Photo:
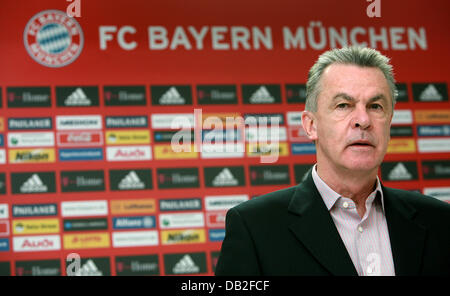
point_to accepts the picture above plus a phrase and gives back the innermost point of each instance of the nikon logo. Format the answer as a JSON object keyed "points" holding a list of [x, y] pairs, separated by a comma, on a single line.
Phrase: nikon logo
{"points": [[183, 236], [27, 155]]}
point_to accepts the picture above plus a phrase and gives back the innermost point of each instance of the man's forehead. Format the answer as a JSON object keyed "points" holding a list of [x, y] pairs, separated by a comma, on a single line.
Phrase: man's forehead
{"points": [[347, 97], [347, 76], [336, 70]]}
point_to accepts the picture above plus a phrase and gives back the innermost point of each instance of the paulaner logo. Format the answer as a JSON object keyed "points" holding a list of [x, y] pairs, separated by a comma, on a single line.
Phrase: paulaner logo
{"points": [[53, 39]]}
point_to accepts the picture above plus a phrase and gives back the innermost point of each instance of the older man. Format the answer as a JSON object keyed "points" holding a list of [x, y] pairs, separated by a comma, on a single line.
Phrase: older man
{"points": [[341, 220]]}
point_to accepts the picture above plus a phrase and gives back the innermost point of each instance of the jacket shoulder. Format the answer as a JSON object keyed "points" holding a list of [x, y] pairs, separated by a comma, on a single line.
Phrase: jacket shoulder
{"points": [[268, 202], [420, 202]]}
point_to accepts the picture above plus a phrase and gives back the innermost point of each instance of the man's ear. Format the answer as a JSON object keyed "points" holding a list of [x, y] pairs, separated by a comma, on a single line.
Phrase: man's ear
{"points": [[309, 125]]}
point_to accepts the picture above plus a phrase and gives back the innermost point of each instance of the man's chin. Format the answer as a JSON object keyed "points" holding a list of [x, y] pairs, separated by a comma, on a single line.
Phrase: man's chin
{"points": [[361, 166]]}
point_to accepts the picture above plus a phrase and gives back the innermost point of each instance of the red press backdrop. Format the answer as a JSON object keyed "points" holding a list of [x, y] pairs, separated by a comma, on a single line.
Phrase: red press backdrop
{"points": [[86, 103]]}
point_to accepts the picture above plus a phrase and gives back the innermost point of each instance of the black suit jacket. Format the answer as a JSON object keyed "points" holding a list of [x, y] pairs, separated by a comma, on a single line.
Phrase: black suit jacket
{"points": [[290, 232]]}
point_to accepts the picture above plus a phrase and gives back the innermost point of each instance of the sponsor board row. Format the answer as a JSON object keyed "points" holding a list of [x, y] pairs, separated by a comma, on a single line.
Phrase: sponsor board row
{"points": [[158, 121], [167, 178], [213, 219], [77, 138], [211, 151], [261, 135], [140, 179], [117, 239], [149, 264], [147, 206], [144, 152], [143, 206], [142, 137], [197, 119], [169, 95], [403, 170]]}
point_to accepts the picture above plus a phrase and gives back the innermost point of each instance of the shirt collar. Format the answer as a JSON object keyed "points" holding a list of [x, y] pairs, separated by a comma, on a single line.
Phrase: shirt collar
{"points": [[330, 197]]}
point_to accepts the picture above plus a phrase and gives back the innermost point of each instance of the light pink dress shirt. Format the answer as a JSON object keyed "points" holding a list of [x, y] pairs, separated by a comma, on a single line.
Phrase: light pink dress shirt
{"points": [[366, 239]]}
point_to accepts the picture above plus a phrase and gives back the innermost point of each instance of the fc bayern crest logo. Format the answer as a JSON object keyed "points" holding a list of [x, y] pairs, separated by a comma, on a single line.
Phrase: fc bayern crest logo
{"points": [[53, 39]]}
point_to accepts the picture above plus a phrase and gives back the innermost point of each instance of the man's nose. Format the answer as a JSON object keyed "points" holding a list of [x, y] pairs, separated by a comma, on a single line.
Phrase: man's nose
{"points": [[361, 118]]}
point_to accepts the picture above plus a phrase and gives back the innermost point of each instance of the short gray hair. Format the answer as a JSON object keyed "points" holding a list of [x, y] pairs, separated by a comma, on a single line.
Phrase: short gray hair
{"points": [[360, 56]]}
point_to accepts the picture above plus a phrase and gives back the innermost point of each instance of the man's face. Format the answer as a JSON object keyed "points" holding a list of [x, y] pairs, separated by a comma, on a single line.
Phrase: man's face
{"points": [[352, 124]]}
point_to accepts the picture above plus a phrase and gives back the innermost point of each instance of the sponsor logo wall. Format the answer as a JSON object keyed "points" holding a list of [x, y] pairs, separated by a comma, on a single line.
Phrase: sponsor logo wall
{"points": [[87, 161]]}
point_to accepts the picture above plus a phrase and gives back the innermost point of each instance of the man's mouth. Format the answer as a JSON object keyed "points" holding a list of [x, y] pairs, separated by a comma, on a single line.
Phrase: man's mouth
{"points": [[361, 143]]}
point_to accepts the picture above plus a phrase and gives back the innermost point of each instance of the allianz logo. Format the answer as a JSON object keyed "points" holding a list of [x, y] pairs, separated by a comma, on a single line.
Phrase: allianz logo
{"points": [[134, 222]]}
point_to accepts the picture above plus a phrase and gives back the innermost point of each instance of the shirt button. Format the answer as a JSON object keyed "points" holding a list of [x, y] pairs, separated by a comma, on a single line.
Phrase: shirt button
{"points": [[345, 204], [360, 229]]}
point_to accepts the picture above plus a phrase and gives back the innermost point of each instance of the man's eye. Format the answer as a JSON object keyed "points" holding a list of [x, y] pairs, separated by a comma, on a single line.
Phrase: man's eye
{"points": [[342, 106], [376, 107]]}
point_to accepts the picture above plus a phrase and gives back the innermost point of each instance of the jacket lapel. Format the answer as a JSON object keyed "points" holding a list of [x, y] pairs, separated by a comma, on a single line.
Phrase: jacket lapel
{"points": [[407, 237], [313, 226]]}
